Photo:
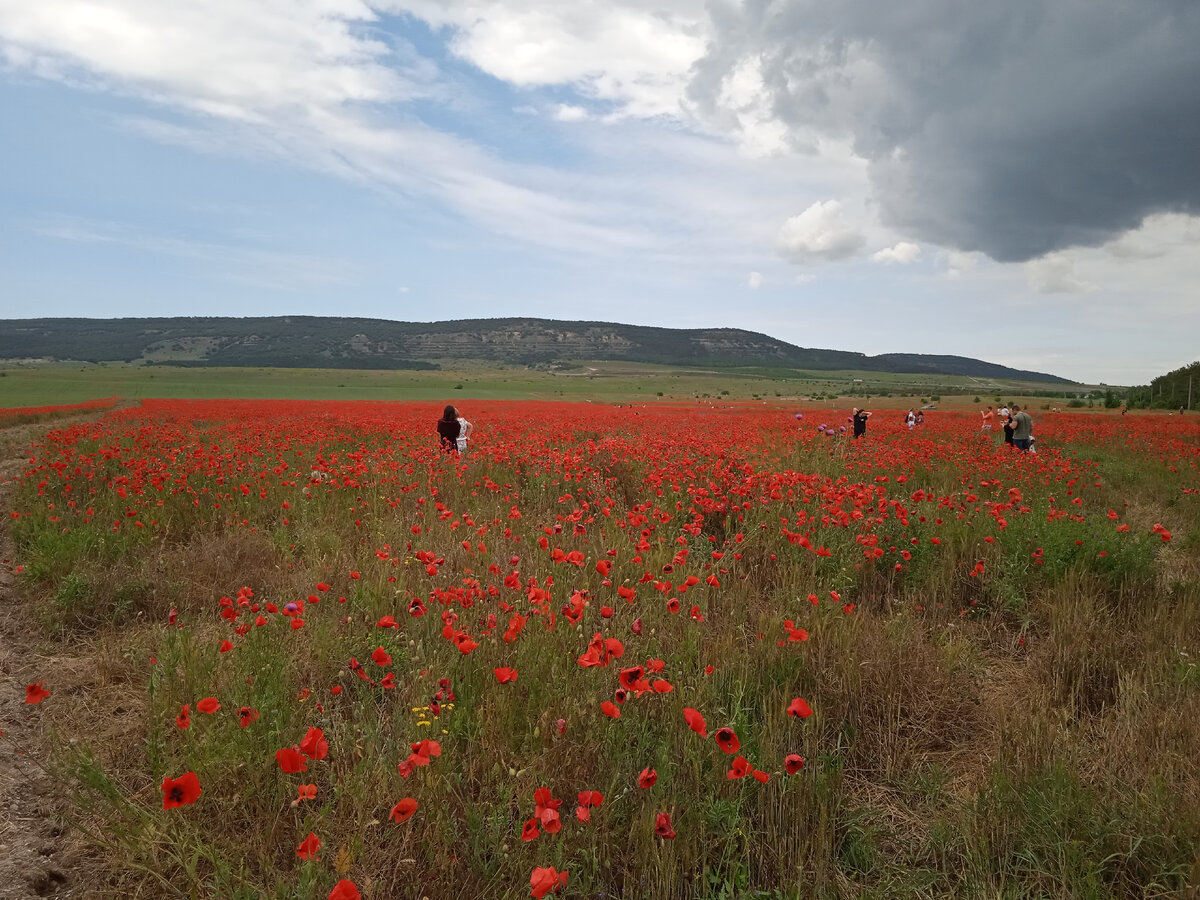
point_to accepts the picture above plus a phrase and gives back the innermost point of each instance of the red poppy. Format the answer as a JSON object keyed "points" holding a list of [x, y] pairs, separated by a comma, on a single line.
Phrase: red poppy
{"points": [[647, 777], [422, 751], [529, 831], [793, 763], [799, 708], [345, 890], [403, 810], [225, 647], [307, 792], [546, 810], [662, 827], [504, 674], [314, 745], [381, 657], [610, 709], [590, 798], [761, 777], [543, 881], [695, 721], [208, 705], [741, 768], [290, 760], [633, 679], [181, 791], [309, 847], [727, 740], [184, 719], [246, 715]]}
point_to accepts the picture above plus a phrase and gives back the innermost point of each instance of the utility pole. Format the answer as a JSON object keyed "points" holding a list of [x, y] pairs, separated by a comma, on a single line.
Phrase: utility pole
{"points": [[1189, 391]]}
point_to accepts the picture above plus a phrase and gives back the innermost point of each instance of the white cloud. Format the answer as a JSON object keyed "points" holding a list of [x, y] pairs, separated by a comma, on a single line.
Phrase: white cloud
{"points": [[564, 112], [632, 54], [903, 253], [1054, 273], [755, 281], [819, 233]]}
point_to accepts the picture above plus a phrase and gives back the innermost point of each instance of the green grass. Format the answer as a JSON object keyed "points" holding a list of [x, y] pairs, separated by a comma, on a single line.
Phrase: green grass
{"points": [[604, 381]]}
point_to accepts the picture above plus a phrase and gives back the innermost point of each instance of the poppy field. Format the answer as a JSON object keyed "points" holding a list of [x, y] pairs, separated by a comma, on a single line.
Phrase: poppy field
{"points": [[662, 652]]}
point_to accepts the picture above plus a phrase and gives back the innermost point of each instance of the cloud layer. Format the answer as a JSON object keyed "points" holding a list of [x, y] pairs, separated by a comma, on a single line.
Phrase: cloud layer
{"points": [[1014, 129]]}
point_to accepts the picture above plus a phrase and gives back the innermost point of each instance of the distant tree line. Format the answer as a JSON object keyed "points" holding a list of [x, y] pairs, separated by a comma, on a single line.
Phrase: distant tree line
{"points": [[1180, 388]]}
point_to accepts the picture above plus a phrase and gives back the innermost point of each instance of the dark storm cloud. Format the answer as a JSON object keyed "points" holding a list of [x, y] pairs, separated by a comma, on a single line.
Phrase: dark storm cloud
{"points": [[1014, 127]]}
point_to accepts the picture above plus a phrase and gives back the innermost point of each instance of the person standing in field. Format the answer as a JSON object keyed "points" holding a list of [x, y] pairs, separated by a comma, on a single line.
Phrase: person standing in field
{"points": [[465, 429], [920, 417], [860, 422], [1006, 419], [449, 429], [1022, 428], [911, 419], [988, 415]]}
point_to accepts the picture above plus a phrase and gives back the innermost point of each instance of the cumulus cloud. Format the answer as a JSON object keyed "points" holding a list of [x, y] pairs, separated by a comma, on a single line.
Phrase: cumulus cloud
{"points": [[1013, 129], [634, 55], [902, 254], [564, 112], [820, 233], [755, 281], [1054, 273]]}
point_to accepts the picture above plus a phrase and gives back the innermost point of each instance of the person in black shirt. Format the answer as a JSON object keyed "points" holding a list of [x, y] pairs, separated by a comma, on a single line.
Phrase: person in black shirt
{"points": [[860, 422]]}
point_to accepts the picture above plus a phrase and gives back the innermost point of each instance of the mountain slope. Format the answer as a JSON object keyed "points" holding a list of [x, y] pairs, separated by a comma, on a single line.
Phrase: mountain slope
{"points": [[308, 341]]}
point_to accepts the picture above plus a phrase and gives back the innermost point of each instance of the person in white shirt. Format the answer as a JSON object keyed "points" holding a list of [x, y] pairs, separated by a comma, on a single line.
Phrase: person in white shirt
{"points": [[464, 431]]}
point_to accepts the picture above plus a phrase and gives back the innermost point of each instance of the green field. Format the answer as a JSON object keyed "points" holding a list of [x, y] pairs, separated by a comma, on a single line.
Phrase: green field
{"points": [[604, 381]]}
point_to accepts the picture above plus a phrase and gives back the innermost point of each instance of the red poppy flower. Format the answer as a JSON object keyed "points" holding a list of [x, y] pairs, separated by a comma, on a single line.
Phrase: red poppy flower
{"points": [[181, 791], [741, 767], [662, 827], [403, 810], [290, 760], [529, 831], [799, 708], [314, 745], [381, 657], [309, 847], [727, 740], [307, 792], [695, 721], [793, 763], [647, 777], [504, 674], [225, 647], [583, 814], [208, 705], [246, 715], [761, 777], [543, 881], [422, 751], [345, 890], [610, 709], [590, 798], [184, 719]]}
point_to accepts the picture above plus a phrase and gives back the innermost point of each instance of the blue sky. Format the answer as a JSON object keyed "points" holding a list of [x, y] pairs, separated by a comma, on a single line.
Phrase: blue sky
{"points": [[816, 173]]}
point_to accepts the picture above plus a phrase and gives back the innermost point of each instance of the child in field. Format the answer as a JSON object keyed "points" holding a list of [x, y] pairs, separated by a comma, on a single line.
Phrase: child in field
{"points": [[465, 429]]}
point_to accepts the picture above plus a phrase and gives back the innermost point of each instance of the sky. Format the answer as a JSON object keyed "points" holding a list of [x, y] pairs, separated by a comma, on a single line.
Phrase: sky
{"points": [[1017, 182]]}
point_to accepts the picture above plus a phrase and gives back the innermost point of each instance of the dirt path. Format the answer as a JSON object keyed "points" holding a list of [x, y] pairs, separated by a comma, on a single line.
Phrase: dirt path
{"points": [[40, 855]]}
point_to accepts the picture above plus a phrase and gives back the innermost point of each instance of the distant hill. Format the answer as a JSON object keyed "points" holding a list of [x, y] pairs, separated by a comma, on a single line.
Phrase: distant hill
{"points": [[310, 341]]}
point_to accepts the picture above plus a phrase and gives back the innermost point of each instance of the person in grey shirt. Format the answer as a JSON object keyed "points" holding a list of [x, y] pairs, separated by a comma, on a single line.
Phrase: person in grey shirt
{"points": [[1022, 428]]}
